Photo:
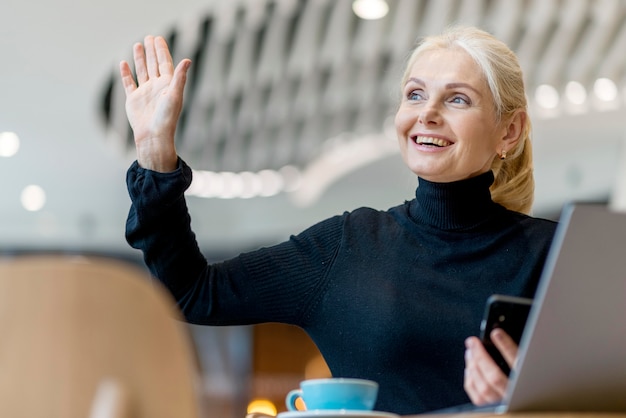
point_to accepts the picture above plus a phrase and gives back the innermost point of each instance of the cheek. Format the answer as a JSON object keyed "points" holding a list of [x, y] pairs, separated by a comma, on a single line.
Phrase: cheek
{"points": [[402, 126], [403, 121], [482, 137]]}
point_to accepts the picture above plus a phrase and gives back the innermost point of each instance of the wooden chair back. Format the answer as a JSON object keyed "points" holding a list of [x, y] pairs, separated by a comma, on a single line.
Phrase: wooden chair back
{"points": [[95, 337]]}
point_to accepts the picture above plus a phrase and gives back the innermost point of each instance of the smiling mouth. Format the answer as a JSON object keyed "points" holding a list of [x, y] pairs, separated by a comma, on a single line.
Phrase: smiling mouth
{"points": [[429, 141]]}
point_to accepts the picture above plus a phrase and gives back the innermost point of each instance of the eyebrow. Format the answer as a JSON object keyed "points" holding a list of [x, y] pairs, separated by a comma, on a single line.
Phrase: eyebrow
{"points": [[448, 86]]}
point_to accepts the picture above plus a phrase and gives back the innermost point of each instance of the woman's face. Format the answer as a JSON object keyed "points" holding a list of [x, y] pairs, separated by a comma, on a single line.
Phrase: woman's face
{"points": [[446, 123]]}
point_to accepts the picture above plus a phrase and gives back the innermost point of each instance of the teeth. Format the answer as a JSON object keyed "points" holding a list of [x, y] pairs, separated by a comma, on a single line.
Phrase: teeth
{"points": [[432, 141]]}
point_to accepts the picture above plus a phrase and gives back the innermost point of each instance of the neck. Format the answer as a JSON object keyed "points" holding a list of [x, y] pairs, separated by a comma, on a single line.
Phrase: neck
{"points": [[456, 205]]}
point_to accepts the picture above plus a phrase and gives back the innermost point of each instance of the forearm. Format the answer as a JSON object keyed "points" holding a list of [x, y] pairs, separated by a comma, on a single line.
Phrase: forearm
{"points": [[158, 224], [269, 284]]}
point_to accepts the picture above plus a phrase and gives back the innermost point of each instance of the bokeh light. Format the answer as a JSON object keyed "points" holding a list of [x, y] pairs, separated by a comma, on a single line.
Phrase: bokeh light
{"points": [[9, 144], [33, 198], [263, 406], [370, 9], [547, 96]]}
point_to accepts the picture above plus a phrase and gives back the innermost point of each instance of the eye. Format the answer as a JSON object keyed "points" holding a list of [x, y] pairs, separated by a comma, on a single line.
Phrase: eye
{"points": [[415, 95], [460, 99]]}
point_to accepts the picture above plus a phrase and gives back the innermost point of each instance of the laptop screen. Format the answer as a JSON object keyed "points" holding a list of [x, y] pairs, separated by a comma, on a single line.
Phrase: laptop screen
{"points": [[573, 351]]}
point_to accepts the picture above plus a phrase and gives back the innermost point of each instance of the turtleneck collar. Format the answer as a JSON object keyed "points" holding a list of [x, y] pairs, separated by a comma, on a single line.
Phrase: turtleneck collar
{"points": [[457, 205]]}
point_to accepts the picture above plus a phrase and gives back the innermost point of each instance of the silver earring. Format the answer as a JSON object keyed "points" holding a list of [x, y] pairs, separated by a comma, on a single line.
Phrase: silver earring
{"points": [[503, 155]]}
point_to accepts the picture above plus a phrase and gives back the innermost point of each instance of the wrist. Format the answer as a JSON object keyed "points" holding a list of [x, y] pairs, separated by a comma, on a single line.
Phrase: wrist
{"points": [[160, 159]]}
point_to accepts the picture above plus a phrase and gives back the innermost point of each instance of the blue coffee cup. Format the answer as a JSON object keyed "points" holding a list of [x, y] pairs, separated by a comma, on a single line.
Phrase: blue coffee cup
{"points": [[334, 393]]}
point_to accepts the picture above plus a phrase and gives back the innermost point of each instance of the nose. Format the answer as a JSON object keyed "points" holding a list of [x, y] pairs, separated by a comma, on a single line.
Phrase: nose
{"points": [[429, 114]]}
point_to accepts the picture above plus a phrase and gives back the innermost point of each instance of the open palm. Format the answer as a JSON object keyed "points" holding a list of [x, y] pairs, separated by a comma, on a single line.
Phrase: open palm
{"points": [[154, 102]]}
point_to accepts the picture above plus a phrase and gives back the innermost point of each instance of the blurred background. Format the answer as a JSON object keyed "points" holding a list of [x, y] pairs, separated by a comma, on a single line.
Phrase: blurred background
{"points": [[287, 121]]}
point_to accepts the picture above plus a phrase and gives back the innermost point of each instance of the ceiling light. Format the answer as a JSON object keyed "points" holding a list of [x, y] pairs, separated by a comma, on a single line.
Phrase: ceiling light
{"points": [[243, 185], [547, 96], [33, 198], [9, 144], [325, 170], [575, 92], [272, 182], [370, 9], [605, 89]]}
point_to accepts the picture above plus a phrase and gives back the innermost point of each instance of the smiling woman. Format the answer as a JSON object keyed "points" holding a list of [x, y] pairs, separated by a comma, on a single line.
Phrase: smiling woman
{"points": [[390, 296], [468, 81], [448, 130]]}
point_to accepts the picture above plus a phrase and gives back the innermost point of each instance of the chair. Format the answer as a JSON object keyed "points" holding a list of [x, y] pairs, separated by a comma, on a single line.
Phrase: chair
{"points": [[91, 337]]}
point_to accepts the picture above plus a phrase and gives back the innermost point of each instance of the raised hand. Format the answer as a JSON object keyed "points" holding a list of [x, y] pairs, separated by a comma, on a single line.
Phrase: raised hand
{"points": [[154, 102]]}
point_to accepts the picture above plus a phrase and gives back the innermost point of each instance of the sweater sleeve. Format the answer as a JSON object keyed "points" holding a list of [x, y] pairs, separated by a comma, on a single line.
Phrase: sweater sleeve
{"points": [[279, 283]]}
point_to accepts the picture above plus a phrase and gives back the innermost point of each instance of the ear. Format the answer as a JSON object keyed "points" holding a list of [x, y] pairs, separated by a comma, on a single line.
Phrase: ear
{"points": [[513, 128]]}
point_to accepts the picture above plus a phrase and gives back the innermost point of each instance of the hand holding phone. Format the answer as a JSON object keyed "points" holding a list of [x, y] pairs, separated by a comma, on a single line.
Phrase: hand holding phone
{"points": [[508, 313]]}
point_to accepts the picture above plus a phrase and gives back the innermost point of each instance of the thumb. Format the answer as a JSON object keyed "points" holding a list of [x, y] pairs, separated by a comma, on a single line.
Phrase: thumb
{"points": [[505, 344], [180, 75]]}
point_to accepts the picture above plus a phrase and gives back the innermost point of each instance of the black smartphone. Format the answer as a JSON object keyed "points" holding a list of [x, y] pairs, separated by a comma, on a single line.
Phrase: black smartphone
{"points": [[509, 313]]}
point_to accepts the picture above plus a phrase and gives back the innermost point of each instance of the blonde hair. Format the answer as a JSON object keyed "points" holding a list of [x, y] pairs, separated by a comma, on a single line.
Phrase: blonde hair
{"points": [[514, 185]]}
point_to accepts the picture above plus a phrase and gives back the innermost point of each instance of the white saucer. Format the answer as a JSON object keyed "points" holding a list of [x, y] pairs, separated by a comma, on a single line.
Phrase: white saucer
{"points": [[340, 413]]}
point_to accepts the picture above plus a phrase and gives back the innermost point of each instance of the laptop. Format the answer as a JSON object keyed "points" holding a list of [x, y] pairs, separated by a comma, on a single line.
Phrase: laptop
{"points": [[572, 355]]}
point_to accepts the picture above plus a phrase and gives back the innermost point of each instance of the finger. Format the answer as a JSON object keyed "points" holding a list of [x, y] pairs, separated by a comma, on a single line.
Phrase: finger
{"points": [[127, 78], [489, 371], [483, 376], [505, 344], [473, 382], [164, 58], [476, 395], [480, 393], [140, 63], [475, 387], [180, 75], [151, 59], [469, 377], [492, 381]]}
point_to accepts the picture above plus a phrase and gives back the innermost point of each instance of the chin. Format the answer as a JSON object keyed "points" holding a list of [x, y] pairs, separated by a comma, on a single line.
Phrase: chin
{"points": [[427, 174], [436, 177]]}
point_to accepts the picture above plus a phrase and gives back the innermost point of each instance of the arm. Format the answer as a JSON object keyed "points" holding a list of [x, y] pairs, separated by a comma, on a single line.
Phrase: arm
{"points": [[271, 284], [484, 382], [158, 222]]}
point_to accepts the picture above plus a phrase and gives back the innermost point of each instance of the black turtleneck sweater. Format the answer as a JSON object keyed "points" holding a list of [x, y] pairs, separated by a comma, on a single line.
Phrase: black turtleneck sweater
{"points": [[386, 295]]}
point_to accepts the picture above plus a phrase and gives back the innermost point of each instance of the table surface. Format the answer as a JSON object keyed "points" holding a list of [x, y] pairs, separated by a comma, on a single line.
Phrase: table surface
{"points": [[511, 415], [524, 415]]}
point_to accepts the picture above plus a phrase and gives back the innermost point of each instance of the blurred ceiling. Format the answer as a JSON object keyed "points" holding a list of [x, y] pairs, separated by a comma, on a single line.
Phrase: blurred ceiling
{"points": [[280, 84], [288, 107]]}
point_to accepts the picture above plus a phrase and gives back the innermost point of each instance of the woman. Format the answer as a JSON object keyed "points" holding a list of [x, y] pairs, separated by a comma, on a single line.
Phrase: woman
{"points": [[390, 296]]}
